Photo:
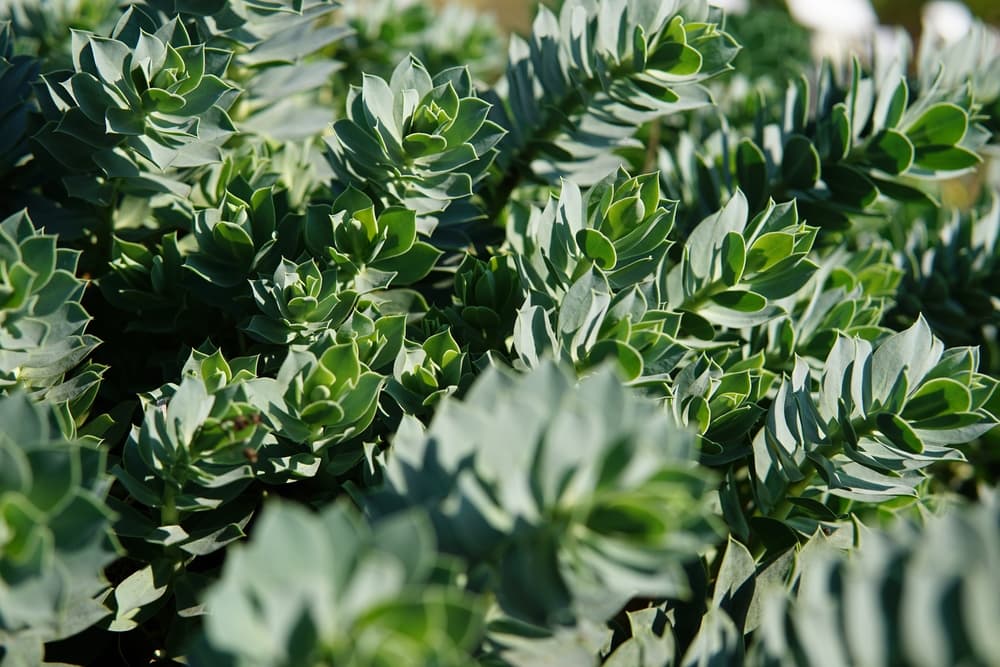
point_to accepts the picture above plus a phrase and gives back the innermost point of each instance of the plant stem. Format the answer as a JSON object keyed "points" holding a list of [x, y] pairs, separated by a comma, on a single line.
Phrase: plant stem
{"points": [[168, 513], [794, 490], [701, 297], [652, 145], [573, 103]]}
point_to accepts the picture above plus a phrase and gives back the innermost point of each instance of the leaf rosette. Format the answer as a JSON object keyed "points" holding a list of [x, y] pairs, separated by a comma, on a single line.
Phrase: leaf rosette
{"points": [[136, 104], [369, 251], [150, 283], [245, 236], [417, 141], [735, 267], [872, 420], [323, 394], [487, 296], [423, 375], [608, 502], [201, 442], [55, 537], [42, 322], [621, 227], [378, 340], [347, 594], [298, 302]]}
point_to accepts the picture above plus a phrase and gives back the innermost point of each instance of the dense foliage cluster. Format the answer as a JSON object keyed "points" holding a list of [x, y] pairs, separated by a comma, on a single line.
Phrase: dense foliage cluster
{"points": [[329, 336]]}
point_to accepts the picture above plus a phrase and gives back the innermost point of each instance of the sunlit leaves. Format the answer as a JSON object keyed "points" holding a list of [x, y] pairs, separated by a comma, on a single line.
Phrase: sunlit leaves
{"points": [[414, 140], [42, 322], [585, 78], [871, 423], [913, 595], [368, 595], [585, 522], [137, 105], [551, 385], [298, 302]]}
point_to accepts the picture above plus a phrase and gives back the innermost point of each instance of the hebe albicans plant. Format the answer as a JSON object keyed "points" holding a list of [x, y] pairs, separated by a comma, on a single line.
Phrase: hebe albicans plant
{"points": [[330, 336]]}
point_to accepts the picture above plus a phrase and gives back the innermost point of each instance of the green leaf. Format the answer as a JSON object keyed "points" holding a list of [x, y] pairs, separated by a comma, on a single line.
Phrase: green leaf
{"points": [[675, 58], [628, 360], [890, 151], [775, 535], [813, 508], [937, 397], [957, 421], [943, 124], [718, 642], [891, 105], [141, 588], [161, 101], [751, 172], [234, 240], [598, 247], [903, 193], [740, 300], [651, 643], [322, 413], [697, 326], [584, 303], [946, 158], [899, 432], [800, 163], [472, 113], [850, 187], [734, 585], [411, 266], [378, 106], [768, 250], [733, 258], [834, 134], [401, 232], [418, 144]]}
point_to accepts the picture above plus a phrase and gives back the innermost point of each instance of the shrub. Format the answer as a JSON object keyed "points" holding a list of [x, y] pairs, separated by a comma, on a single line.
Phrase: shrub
{"points": [[328, 336]]}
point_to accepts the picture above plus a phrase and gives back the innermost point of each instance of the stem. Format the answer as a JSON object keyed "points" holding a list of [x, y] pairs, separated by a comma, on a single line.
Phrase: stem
{"points": [[168, 513], [702, 296], [784, 507], [573, 103], [501, 194], [808, 469], [652, 145]]}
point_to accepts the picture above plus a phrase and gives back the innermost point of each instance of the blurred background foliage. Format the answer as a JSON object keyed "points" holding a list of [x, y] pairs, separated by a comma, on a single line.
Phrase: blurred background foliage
{"points": [[516, 14], [907, 12]]}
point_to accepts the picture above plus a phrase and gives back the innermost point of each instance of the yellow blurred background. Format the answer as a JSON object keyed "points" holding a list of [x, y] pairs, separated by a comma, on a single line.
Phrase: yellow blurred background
{"points": [[512, 14]]}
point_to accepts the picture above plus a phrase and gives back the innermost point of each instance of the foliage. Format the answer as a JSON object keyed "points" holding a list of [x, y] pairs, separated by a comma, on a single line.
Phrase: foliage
{"points": [[331, 336], [56, 529], [592, 517], [347, 595], [42, 337], [934, 583]]}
